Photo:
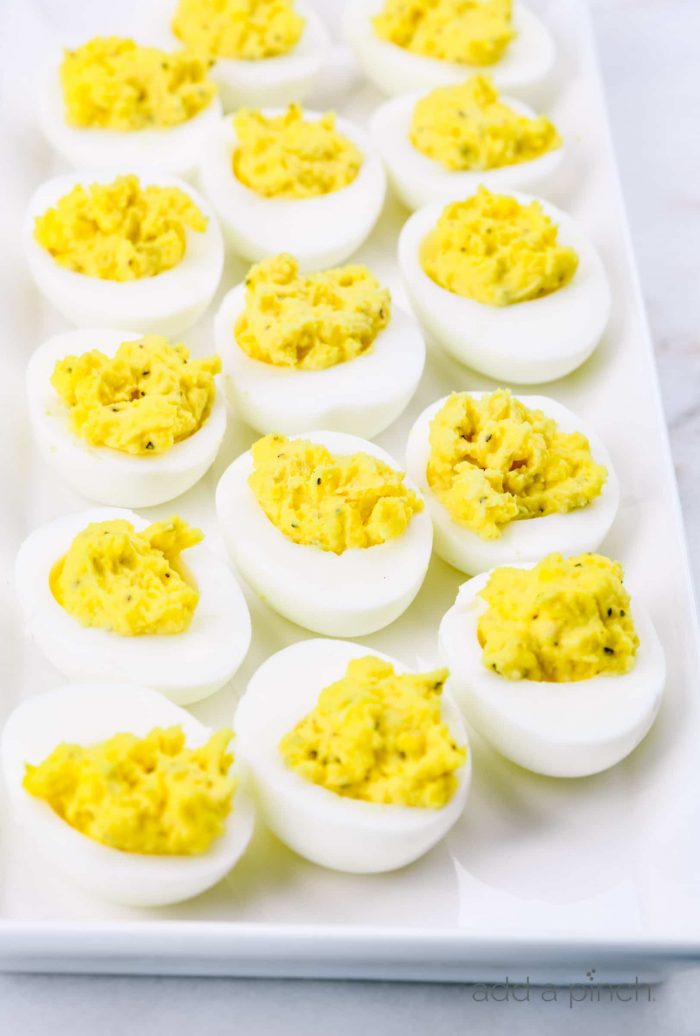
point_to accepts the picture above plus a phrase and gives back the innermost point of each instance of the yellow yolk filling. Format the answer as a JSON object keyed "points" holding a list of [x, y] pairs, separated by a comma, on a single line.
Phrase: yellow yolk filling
{"points": [[119, 231], [246, 30], [288, 156], [149, 795], [468, 127], [468, 32], [378, 736], [314, 322], [332, 502], [494, 250], [144, 399], [127, 582], [494, 461], [113, 83], [563, 620]]}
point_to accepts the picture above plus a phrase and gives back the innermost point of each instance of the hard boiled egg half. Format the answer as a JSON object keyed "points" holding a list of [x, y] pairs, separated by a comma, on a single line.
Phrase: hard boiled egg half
{"points": [[167, 303], [582, 527], [524, 66], [568, 727], [361, 395], [322, 229], [87, 714], [536, 340], [420, 178], [343, 833], [170, 147], [288, 75], [350, 593], [185, 666], [109, 475]]}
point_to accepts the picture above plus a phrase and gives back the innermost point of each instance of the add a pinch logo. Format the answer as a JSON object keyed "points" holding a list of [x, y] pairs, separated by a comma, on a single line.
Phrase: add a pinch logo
{"points": [[591, 991]]}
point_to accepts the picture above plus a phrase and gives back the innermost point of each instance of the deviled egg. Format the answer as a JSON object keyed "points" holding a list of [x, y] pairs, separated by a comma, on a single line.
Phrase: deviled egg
{"points": [[123, 421], [358, 764], [445, 144], [129, 795], [114, 102], [327, 350], [553, 664], [509, 479], [118, 249], [507, 284], [262, 52], [426, 43], [327, 530], [293, 181], [105, 592]]}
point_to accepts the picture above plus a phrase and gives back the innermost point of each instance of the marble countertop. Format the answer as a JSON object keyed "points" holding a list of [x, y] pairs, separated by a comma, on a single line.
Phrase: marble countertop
{"points": [[648, 54]]}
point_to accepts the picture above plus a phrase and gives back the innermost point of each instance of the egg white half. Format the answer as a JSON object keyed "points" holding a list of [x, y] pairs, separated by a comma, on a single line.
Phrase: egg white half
{"points": [[97, 472], [419, 180], [173, 150], [527, 342], [341, 833], [87, 714], [320, 232], [340, 595], [569, 729], [269, 81], [363, 396], [526, 65], [185, 667], [166, 304], [529, 539]]}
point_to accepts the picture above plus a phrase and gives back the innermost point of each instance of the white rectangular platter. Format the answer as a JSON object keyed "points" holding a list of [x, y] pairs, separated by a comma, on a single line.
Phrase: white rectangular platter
{"points": [[540, 878]]}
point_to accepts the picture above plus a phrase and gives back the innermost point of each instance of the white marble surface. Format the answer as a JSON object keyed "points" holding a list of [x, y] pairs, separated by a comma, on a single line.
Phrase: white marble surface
{"points": [[649, 58], [648, 52]]}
